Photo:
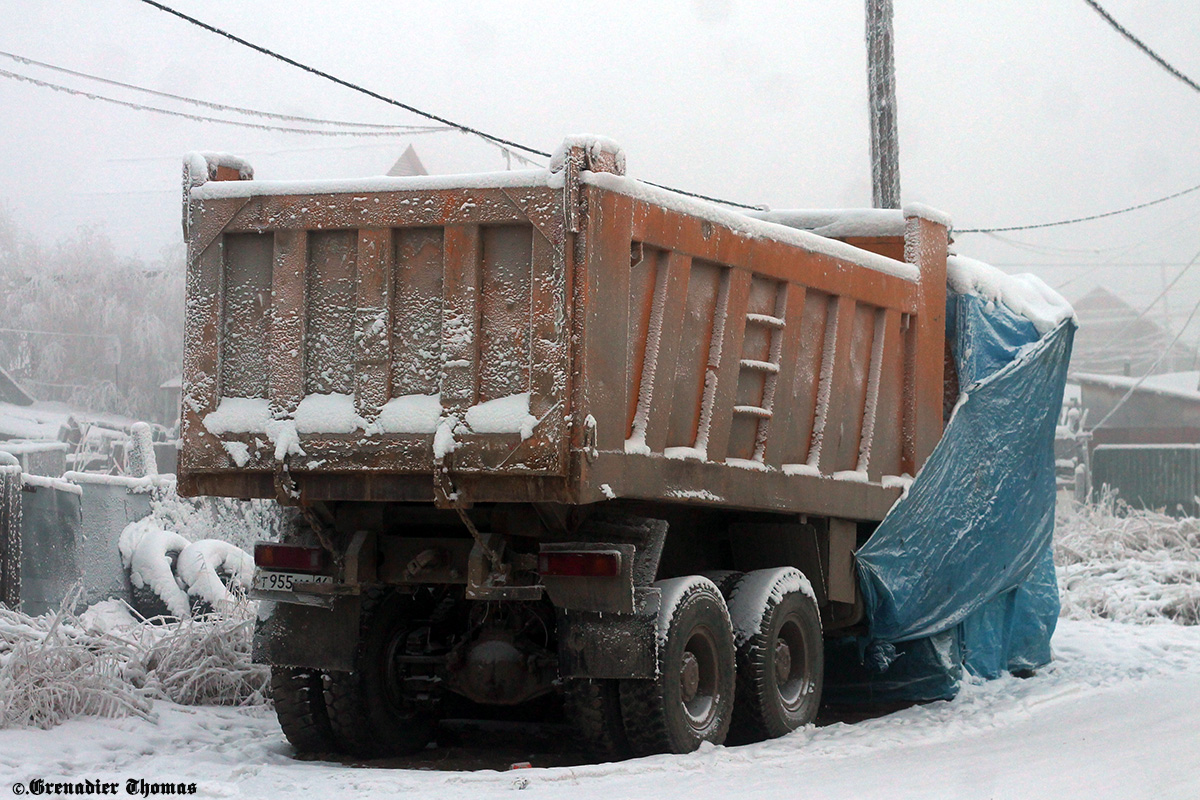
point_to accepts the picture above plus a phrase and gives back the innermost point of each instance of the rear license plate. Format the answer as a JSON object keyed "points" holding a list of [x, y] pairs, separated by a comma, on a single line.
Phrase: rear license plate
{"points": [[284, 581]]}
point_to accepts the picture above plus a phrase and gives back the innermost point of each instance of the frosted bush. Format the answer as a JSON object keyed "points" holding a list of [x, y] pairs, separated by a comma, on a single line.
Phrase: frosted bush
{"points": [[1131, 565], [206, 661], [58, 667], [52, 669]]}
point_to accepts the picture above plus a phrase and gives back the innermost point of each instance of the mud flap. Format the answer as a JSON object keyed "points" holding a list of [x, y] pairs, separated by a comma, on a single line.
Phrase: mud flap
{"points": [[596, 645], [291, 635]]}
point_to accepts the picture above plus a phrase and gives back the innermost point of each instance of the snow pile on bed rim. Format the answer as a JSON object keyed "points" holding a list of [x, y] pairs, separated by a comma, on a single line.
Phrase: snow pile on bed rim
{"points": [[104, 663], [1025, 295], [1127, 565], [837, 222], [596, 147]]}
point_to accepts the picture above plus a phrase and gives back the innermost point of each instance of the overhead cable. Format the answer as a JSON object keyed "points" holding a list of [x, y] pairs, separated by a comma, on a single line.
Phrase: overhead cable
{"points": [[1079, 219], [1119, 335], [215, 106], [347, 84], [393, 133], [1121, 29], [503, 143]]}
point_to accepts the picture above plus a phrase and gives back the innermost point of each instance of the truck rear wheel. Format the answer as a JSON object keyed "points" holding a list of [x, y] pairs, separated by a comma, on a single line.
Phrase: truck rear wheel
{"points": [[593, 706], [300, 706], [691, 700], [780, 654], [369, 709]]}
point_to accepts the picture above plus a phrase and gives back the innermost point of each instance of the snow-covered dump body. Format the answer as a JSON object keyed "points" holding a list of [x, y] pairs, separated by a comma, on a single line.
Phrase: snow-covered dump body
{"points": [[548, 430], [565, 336]]}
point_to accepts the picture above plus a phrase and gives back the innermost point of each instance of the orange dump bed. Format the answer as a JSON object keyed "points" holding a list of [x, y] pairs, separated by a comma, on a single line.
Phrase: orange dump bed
{"points": [[564, 336]]}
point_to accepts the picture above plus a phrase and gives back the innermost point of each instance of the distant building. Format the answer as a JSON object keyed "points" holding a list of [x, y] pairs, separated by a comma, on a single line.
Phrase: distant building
{"points": [[408, 165], [11, 391], [1112, 340]]}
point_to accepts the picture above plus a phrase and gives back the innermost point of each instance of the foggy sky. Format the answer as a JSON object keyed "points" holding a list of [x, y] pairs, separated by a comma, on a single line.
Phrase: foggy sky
{"points": [[1009, 113]]}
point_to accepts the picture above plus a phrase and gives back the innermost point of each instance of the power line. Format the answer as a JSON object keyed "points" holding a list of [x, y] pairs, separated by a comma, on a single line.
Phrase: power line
{"points": [[1128, 326], [411, 131], [503, 143], [1070, 221], [1121, 29], [207, 104], [339, 81]]}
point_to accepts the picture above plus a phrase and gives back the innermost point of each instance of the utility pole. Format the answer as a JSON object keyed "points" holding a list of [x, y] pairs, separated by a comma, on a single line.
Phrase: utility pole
{"points": [[881, 81]]}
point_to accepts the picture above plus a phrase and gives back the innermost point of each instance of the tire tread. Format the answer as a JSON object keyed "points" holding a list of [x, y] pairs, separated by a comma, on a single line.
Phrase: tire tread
{"points": [[299, 700]]}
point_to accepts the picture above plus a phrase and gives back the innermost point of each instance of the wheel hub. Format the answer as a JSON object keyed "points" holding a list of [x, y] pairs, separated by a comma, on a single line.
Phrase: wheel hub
{"points": [[689, 677], [783, 661]]}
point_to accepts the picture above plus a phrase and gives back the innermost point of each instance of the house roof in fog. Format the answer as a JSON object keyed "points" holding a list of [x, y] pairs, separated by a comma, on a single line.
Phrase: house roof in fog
{"points": [[407, 165], [11, 391], [1116, 338]]}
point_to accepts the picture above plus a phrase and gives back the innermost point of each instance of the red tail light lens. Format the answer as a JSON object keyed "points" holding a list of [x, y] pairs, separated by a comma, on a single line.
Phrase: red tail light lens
{"points": [[603, 564], [289, 557]]}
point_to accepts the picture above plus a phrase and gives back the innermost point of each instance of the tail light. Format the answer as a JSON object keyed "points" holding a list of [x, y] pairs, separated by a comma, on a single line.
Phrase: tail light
{"points": [[594, 564], [290, 557]]}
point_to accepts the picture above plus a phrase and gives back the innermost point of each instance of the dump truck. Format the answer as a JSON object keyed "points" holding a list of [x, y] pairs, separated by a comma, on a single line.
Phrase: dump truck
{"points": [[553, 433]]}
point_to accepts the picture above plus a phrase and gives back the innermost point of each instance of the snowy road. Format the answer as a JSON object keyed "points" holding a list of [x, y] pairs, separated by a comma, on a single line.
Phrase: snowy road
{"points": [[1117, 715]]}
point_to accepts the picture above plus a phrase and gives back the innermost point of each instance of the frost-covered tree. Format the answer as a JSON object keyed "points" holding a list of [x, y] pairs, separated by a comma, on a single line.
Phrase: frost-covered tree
{"points": [[82, 324]]}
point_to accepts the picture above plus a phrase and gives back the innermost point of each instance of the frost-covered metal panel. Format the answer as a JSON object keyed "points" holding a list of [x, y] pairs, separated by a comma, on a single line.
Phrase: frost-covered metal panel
{"points": [[695, 341], [644, 275], [506, 255], [532, 322], [843, 436], [417, 312], [107, 505], [372, 331], [759, 368], [1152, 476], [330, 317], [460, 318], [10, 534], [286, 334], [791, 443], [656, 382], [880, 450], [51, 550], [247, 298]]}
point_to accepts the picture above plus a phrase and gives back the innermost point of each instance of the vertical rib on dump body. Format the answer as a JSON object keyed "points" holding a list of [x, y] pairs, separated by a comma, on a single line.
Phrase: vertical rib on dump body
{"points": [[562, 336]]}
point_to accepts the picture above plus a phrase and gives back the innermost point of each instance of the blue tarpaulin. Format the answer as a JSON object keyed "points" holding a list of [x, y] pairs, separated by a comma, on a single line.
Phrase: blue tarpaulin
{"points": [[960, 573]]}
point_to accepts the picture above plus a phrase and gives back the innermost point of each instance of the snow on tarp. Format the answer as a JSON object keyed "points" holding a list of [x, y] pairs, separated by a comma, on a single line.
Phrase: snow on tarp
{"points": [[962, 562], [1025, 295]]}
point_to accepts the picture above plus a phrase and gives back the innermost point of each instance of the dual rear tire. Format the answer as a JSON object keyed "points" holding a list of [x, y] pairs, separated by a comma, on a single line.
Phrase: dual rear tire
{"points": [[749, 668], [365, 713], [762, 648]]}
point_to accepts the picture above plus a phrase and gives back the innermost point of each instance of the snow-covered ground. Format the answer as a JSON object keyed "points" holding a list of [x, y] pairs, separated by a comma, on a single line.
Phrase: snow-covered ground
{"points": [[1116, 715]]}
